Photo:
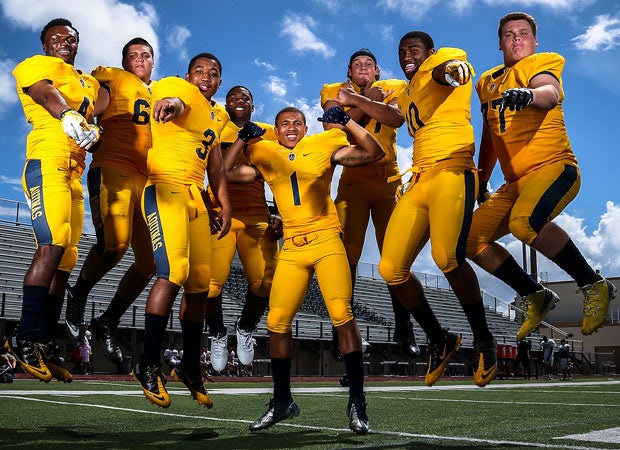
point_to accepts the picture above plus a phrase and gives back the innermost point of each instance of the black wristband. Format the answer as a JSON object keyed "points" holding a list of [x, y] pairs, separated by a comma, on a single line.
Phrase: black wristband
{"points": [[63, 112]]}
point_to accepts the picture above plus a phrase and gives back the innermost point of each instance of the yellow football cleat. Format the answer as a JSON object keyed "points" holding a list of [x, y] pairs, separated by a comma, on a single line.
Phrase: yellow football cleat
{"points": [[535, 307], [485, 368], [29, 357], [153, 385], [196, 386], [597, 297], [439, 355]]}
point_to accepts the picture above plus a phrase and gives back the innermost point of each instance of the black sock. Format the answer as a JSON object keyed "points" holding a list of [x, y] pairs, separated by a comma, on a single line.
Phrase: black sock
{"points": [[215, 319], [281, 370], [402, 317], [425, 316], [33, 309], [511, 273], [571, 261], [154, 329], [253, 309], [116, 309], [192, 344], [354, 368], [82, 287], [49, 318], [477, 320]]}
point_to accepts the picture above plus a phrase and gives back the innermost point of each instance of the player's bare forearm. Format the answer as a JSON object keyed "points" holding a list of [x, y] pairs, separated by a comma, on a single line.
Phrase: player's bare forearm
{"points": [[49, 97], [385, 113], [230, 155], [546, 92], [219, 187], [487, 156]]}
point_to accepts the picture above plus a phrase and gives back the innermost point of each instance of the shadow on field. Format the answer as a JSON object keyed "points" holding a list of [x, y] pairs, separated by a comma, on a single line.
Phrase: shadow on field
{"points": [[183, 438]]}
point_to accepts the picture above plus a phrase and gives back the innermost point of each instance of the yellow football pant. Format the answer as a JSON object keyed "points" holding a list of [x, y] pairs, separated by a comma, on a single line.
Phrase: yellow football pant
{"points": [[323, 252]]}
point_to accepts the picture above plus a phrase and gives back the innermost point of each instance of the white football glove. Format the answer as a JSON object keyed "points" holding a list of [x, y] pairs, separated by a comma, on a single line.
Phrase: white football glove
{"points": [[92, 137], [75, 126], [458, 73]]}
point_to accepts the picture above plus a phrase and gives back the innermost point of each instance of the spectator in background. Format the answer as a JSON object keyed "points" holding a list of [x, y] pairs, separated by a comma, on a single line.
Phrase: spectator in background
{"points": [[232, 367], [564, 355], [547, 346], [523, 356], [171, 356], [85, 352], [7, 363]]}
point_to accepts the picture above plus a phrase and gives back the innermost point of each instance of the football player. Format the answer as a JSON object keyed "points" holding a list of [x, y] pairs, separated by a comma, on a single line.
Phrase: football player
{"points": [[185, 144], [58, 100], [523, 98], [253, 234], [298, 169], [116, 179], [370, 191], [439, 201]]}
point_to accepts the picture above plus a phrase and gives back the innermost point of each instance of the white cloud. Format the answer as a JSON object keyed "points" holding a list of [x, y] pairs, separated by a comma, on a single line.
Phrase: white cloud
{"points": [[10, 180], [462, 5], [266, 65], [276, 86], [111, 22], [604, 34], [329, 6], [409, 8], [177, 36], [563, 5], [298, 28], [311, 109], [8, 96]]}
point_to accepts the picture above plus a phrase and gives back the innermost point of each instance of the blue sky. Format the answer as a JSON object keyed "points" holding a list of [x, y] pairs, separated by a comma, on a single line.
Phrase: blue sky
{"points": [[285, 52]]}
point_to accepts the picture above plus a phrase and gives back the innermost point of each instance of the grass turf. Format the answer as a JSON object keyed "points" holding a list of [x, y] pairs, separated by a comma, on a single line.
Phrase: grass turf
{"points": [[406, 415]]}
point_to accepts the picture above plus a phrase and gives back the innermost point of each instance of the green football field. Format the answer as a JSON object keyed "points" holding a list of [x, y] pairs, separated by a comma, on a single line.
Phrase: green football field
{"points": [[403, 414]]}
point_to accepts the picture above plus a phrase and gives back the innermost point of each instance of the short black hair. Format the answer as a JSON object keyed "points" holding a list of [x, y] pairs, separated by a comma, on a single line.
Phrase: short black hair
{"points": [[192, 62], [59, 22], [137, 41], [289, 109], [426, 38], [363, 52], [239, 87]]}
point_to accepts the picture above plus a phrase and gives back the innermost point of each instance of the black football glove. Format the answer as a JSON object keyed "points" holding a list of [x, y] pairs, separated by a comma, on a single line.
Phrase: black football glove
{"points": [[250, 131], [516, 99], [335, 114]]}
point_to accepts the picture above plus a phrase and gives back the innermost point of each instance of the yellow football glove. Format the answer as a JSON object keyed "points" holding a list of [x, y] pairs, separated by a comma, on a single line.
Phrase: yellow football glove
{"points": [[458, 73]]}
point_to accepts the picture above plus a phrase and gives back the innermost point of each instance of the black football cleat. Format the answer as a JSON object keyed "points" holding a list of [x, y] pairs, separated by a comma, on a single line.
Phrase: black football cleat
{"points": [[105, 333], [277, 412], [358, 419]]}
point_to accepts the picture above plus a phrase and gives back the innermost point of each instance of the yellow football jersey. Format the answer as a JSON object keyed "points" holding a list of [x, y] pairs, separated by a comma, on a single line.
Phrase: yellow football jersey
{"points": [[181, 146], [528, 139], [126, 121], [80, 90], [437, 116], [300, 179], [221, 117], [385, 135], [244, 196]]}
